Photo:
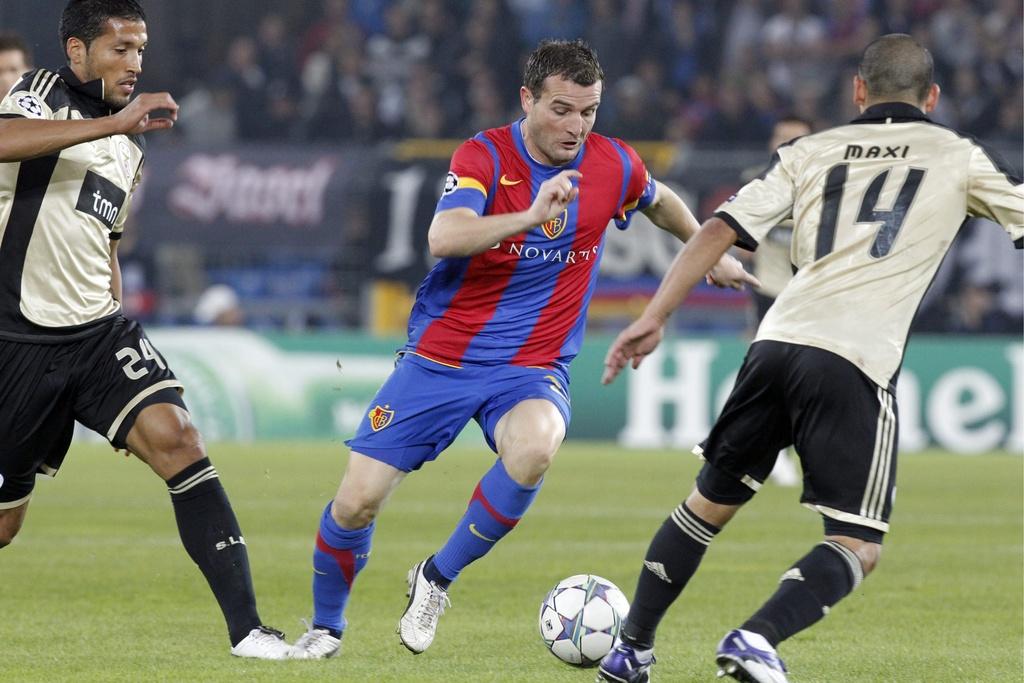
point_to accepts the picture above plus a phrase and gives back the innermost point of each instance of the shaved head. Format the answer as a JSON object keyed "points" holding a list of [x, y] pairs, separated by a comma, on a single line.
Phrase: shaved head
{"points": [[896, 66]]}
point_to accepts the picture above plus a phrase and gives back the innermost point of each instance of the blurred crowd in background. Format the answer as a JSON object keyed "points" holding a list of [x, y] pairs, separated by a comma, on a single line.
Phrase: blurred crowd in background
{"points": [[288, 195], [706, 72]]}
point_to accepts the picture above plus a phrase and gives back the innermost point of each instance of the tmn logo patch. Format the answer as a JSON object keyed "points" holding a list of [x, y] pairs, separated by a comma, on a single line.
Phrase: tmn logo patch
{"points": [[380, 417], [101, 199], [554, 227]]}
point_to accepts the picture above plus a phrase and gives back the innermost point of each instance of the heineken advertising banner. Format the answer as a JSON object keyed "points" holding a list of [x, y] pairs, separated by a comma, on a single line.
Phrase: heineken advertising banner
{"points": [[964, 395]]}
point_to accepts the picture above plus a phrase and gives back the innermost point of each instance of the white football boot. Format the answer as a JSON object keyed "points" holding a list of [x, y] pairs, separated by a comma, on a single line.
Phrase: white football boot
{"points": [[316, 643], [263, 643], [427, 602]]}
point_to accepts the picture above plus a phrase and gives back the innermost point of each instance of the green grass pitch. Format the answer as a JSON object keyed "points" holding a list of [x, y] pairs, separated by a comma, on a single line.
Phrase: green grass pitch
{"points": [[97, 587]]}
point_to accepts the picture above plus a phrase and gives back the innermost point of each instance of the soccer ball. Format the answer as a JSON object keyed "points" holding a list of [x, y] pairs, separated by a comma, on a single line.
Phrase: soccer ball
{"points": [[580, 618]]}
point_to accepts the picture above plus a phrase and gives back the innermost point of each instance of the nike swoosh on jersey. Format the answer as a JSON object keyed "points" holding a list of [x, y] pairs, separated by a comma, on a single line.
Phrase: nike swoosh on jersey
{"points": [[505, 181], [472, 530], [317, 571]]}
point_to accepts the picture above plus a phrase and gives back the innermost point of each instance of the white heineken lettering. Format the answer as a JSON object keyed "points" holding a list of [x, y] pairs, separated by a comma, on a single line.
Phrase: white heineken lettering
{"points": [[688, 391]]}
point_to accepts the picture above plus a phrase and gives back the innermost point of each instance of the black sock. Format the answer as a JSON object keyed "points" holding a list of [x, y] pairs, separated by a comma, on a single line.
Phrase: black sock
{"points": [[807, 591], [672, 558], [430, 573], [210, 534]]}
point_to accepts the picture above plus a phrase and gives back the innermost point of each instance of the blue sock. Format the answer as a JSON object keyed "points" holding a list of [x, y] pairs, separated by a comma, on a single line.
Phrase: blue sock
{"points": [[339, 555], [495, 508]]}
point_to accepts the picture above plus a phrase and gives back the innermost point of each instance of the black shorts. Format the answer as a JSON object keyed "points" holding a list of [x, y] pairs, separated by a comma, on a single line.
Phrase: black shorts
{"points": [[843, 426], [103, 381]]}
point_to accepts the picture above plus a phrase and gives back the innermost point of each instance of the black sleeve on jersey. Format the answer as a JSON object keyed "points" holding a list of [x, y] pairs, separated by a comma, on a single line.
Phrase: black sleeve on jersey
{"points": [[38, 80], [771, 164], [999, 162], [743, 240], [995, 157], [1019, 243], [57, 95]]}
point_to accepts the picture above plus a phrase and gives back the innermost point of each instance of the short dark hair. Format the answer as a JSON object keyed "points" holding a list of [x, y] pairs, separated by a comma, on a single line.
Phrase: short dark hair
{"points": [[573, 60], [86, 19], [897, 65], [12, 41]]}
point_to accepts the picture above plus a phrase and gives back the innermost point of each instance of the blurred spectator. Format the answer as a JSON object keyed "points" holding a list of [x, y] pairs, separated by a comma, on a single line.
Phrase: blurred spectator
{"points": [[733, 120], [276, 59], [540, 19], [206, 117], [794, 43], [973, 310], [369, 15], [424, 115], [955, 32], [393, 54], [332, 22], [15, 60], [742, 30], [244, 77], [605, 35], [219, 305], [637, 115]]}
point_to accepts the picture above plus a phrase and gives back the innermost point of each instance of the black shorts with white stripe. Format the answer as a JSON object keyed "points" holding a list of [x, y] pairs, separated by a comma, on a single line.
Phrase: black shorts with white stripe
{"points": [[103, 380], [843, 426]]}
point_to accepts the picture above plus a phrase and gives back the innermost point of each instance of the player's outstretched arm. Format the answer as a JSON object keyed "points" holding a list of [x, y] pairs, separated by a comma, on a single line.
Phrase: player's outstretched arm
{"points": [[638, 340], [22, 139], [669, 212], [461, 232]]}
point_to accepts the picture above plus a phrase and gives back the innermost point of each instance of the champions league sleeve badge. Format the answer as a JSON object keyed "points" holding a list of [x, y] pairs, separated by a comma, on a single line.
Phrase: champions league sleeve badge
{"points": [[31, 105], [451, 183]]}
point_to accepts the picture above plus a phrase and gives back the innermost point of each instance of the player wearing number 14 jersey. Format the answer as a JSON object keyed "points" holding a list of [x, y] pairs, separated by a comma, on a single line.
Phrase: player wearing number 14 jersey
{"points": [[875, 206], [71, 154], [519, 230]]}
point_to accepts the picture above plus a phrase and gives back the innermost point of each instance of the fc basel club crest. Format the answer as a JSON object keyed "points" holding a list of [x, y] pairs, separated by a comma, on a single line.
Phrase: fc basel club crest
{"points": [[554, 227], [380, 417]]}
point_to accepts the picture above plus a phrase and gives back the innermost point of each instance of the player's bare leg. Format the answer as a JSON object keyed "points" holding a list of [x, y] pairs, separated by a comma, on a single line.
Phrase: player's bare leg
{"points": [[343, 549], [527, 438], [11, 520], [164, 438]]}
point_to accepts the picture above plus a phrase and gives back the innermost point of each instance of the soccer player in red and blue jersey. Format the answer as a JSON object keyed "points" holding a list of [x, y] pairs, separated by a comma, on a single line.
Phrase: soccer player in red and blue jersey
{"points": [[519, 231]]}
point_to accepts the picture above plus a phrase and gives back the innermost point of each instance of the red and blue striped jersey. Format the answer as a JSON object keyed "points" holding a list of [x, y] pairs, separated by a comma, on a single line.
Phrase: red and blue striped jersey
{"points": [[524, 301]]}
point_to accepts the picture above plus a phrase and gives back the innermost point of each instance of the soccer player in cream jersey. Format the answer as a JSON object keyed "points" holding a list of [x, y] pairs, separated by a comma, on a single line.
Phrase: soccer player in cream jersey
{"points": [[71, 153], [876, 205]]}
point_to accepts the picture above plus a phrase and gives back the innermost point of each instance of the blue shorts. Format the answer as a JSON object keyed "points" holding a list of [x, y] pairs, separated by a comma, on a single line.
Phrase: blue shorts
{"points": [[424, 405]]}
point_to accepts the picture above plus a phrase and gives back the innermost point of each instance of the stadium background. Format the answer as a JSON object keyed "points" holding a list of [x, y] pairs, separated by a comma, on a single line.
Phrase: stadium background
{"points": [[312, 143], [313, 140]]}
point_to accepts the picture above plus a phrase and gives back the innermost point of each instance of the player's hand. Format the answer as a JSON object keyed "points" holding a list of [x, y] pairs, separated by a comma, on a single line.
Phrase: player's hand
{"points": [[137, 117], [729, 272], [634, 344], [553, 196]]}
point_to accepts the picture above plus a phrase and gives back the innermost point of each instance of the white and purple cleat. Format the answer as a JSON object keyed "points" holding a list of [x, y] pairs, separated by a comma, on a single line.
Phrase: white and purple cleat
{"points": [[748, 657]]}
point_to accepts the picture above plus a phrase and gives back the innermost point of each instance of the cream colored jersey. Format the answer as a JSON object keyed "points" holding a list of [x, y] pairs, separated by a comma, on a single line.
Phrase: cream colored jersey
{"points": [[876, 205], [771, 264], [59, 213]]}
